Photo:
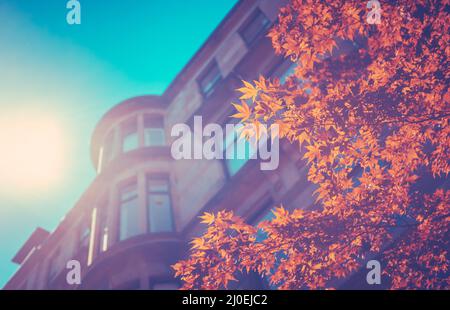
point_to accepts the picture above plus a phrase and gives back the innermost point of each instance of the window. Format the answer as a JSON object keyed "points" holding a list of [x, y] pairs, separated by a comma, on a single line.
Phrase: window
{"points": [[85, 232], [102, 242], [289, 71], [255, 27], [129, 211], [158, 205], [268, 216], [265, 214], [154, 131], [130, 139], [209, 79], [237, 151]]}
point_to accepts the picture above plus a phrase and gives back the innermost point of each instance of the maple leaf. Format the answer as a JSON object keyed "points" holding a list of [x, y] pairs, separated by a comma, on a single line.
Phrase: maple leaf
{"points": [[374, 118], [357, 241], [303, 137], [312, 153], [332, 256], [316, 266], [198, 243], [207, 218], [249, 91], [244, 111]]}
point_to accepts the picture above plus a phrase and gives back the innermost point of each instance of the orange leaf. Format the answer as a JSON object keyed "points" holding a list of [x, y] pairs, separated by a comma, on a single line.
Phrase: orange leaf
{"points": [[207, 218], [243, 111]]}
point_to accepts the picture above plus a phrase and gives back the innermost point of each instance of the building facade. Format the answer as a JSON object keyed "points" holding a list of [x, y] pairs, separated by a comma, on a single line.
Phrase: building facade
{"points": [[139, 214]]}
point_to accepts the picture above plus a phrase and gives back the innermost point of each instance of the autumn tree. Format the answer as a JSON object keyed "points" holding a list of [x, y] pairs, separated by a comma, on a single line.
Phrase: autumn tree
{"points": [[369, 105]]}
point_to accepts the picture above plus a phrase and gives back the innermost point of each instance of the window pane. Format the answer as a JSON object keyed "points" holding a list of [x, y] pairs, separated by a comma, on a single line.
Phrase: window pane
{"points": [[130, 139], [255, 27], [160, 214], [210, 79], [130, 142], [234, 165], [290, 71], [158, 186], [154, 136], [154, 130], [268, 216], [159, 206], [129, 219], [129, 212], [240, 150], [128, 192]]}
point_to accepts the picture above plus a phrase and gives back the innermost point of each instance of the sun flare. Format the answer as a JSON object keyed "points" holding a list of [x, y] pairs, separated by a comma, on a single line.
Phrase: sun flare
{"points": [[32, 153]]}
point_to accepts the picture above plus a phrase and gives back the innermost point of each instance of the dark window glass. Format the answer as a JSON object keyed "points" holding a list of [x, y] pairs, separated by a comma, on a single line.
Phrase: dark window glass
{"points": [[237, 152], [159, 205], [129, 211], [265, 213], [130, 139], [154, 131], [209, 79], [256, 26], [287, 73]]}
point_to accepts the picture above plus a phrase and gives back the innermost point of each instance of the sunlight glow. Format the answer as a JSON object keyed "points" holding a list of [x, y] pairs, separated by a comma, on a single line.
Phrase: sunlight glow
{"points": [[32, 153]]}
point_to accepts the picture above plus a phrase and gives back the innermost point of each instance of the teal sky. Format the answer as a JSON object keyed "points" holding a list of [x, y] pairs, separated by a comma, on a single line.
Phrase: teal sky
{"points": [[72, 74]]}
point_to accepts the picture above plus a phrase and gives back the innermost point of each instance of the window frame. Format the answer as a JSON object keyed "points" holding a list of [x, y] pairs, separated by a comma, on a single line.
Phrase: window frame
{"points": [[225, 147], [251, 19], [133, 123], [121, 202], [154, 122], [165, 178], [204, 74]]}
